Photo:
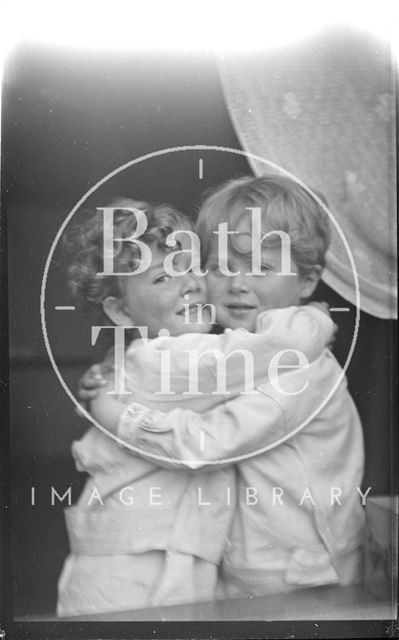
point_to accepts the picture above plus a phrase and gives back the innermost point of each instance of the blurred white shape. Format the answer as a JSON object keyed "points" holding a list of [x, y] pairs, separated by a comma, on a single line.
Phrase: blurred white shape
{"points": [[181, 25]]}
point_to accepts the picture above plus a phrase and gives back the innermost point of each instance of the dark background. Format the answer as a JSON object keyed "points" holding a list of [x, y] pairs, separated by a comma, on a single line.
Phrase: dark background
{"points": [[68, 120]]}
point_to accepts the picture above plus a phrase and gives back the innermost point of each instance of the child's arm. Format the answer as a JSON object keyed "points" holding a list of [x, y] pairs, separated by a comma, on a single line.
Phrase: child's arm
{"points": [[308, 329], [95, 377], [283, 338], [226, 428], [235, 429], [90, 382], [106, 409]]}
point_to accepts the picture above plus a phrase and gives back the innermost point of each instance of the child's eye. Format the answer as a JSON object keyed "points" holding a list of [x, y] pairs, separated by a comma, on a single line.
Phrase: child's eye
{"points": [[163, 278]]}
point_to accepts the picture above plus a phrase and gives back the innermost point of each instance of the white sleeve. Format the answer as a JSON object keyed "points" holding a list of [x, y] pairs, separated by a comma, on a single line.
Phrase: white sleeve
{"points": [[240, 427], [305, 329], [283, 335], [231, 362]]}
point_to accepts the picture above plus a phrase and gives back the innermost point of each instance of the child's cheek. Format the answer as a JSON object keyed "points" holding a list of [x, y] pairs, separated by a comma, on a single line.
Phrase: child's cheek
{"points": [[204, 284], [214, 287]]}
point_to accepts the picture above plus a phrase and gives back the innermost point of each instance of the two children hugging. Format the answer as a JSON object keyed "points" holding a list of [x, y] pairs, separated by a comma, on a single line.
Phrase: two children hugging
{"points": [[218, 490]]}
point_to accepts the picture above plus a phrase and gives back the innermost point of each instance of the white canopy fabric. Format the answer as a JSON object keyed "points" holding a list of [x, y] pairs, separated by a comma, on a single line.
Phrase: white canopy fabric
{"points": [[324, 110]]}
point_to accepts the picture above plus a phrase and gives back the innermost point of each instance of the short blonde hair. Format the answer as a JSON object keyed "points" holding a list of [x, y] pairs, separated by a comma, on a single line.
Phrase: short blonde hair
{"points": [[285, 206]]}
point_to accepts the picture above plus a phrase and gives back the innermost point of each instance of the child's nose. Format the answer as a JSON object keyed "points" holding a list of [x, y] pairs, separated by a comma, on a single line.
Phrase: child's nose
{"points": [[191, 283], [238, 284]]}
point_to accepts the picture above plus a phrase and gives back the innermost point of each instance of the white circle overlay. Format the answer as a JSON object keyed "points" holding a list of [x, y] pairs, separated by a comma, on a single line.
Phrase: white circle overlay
{"points": [[202, 462]]}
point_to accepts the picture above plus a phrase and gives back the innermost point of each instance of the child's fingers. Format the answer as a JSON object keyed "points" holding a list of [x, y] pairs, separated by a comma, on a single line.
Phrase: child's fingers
{"points": [[106, 369], [101, 371], [96, 373], [85, 395], [90, 383], [92, 379]]}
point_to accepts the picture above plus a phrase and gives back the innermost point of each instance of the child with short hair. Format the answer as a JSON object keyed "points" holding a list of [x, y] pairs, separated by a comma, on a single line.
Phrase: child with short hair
{"points": [[304, 526], [138, 527]]}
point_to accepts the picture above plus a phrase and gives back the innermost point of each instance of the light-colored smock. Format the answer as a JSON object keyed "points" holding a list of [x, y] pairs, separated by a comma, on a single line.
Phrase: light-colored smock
{"points": [[143, 534], [299, 520]]}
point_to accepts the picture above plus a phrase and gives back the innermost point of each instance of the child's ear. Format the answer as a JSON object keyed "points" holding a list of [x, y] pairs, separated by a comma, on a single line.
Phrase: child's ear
{"points": [[310, 281], [114, 309]]}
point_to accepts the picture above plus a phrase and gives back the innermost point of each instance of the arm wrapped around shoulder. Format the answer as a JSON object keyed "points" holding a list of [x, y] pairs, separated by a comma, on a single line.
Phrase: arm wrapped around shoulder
{"points": [[308, 328]]}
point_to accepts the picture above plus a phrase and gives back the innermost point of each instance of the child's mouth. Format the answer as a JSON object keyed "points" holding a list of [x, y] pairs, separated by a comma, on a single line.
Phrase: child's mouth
{"points": [[239, 310], [192, 309]]}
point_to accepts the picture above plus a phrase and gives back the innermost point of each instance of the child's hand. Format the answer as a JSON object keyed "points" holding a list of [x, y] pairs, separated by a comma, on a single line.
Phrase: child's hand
{"points": [[91, 381]]}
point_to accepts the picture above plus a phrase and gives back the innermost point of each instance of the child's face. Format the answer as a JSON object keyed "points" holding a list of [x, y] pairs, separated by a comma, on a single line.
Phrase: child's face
{"points": [[239, 299], [155, 300]]}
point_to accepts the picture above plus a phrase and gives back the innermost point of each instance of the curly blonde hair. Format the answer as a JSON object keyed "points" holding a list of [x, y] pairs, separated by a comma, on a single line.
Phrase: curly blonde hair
{"points": [[84, 245]]}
